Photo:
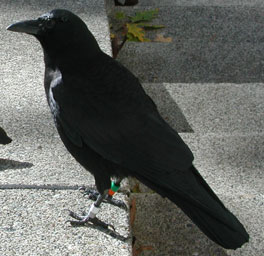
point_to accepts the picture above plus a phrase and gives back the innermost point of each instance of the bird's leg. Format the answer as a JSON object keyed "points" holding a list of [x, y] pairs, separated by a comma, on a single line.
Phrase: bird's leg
{"points": [[115, 185], [91, 218]]}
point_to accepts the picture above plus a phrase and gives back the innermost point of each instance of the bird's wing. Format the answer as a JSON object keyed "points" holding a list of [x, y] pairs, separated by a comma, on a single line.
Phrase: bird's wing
{"points": [[127, 134], [110, 112]]}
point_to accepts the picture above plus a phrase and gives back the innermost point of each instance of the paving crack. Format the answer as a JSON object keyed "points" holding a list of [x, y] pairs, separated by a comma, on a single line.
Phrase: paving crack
{"points": [[45, 187], [52, 187]]}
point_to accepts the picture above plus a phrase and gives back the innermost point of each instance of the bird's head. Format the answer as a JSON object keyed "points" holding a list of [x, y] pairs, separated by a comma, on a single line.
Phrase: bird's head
{"points": [[59, 31]]}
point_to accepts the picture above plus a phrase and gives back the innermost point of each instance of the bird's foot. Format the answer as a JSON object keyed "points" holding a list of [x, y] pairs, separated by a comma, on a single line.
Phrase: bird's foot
{"points": [[102, 226], [116, 202], [94, 194], [81, 220]]}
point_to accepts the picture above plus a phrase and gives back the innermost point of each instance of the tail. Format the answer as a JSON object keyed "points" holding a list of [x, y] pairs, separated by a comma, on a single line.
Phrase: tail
{"points": [[204, 208], [4, 139]]}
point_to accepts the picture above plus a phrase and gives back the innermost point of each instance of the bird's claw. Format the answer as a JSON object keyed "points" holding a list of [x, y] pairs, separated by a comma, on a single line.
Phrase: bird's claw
{"points": [[75, 216], [116, 202], [90, 193], [105, 227], [93, 195], [82, 220]]}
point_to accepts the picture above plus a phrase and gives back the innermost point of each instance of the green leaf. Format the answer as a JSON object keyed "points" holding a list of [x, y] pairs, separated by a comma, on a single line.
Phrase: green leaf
{"points": [[135, 33], [120, 15], [144, 16], [132, 38], [150, 26]]}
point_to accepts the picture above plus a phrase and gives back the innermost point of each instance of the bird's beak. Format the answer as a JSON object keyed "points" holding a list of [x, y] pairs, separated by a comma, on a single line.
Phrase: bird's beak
{"points": [[31, 27]]}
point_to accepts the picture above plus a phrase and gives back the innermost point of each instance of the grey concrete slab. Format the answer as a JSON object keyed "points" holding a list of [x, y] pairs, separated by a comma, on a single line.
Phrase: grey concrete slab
{"points": [[206, 24], [224, 3], [209, 44], [163, 226], [44, 163], [191, 3], [168, 106], [194, 61], [233, 160], [230, 3], [227, 150], [210, 108], [32, 222]]}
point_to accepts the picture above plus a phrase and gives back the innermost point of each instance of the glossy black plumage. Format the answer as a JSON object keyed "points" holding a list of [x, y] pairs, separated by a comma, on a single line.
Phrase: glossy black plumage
{"points": [[113, 128]]}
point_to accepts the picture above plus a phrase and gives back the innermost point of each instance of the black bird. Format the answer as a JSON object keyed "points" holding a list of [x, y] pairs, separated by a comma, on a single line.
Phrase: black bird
{"points": [[4, 139], [113, 128]]}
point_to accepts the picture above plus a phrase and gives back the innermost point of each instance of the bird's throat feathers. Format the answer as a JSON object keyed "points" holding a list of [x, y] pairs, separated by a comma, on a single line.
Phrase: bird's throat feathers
{"points": [[70, 56], [77, 46]]}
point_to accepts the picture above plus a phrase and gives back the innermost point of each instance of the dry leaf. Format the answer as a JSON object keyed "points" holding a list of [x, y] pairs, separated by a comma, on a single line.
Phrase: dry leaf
{"points": [[132, 212], [139, 250], [136, 188], [161, 38]]}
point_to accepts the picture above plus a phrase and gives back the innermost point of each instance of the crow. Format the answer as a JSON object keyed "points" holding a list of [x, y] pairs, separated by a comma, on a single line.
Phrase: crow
{"points": [[114, 130], [4, 139]]}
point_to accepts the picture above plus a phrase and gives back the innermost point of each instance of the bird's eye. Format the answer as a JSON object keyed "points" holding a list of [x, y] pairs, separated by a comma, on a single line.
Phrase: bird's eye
{"points": [[50, 23], [64, 18]]}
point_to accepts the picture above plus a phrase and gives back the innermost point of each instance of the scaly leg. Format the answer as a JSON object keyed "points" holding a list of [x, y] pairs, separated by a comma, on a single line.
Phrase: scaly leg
{"points": [[94, 194], [91, 218]]}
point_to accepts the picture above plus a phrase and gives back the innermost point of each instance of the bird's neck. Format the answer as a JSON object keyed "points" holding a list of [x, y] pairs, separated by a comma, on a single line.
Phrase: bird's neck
{"points": [[70, 60]]}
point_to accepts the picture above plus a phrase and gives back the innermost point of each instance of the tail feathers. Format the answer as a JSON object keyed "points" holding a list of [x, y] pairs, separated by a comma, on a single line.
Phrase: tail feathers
{"points": [[204, 208], [218, 223], [231, 236]]}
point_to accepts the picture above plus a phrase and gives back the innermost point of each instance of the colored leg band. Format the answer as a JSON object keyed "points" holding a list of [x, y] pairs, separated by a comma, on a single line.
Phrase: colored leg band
{"points": [[93, 211], [113, 188]]}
